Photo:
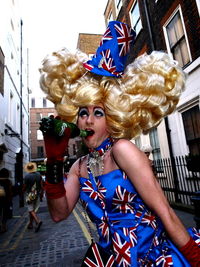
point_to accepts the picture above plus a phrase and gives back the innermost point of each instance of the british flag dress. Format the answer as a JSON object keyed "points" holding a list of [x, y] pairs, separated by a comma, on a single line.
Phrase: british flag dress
{"points": [[126, 226]]}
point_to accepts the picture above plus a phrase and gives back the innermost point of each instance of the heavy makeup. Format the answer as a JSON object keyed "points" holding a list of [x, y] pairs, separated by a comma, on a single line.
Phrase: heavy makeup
{"points": [[93, 118]]}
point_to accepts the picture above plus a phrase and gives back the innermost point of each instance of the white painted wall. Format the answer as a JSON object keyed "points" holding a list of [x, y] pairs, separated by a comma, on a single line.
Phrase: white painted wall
{"points": [[189, 98], [10, 36]]}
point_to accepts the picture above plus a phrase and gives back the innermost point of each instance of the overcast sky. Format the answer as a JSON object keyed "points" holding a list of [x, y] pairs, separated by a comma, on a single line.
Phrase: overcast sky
{"points": [[52, 24]]}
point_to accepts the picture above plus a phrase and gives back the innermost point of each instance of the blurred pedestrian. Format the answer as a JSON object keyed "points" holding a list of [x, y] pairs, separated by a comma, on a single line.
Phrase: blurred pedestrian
{"points": [[147, 149], [5, 199], [33, 187]]}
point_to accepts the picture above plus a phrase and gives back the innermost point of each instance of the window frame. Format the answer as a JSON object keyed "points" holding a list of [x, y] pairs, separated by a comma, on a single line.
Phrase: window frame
{"points": [[153, 135], [166, 36], [118, 6], [39, 135], [38, 116], [44, 102], [156, 151], [140, 18], [41, 150], [194, 140], [32, 102]]}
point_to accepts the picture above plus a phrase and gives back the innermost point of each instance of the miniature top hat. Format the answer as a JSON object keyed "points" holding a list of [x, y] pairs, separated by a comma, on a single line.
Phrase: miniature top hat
{"points": [[111, 55], [30, 167]]}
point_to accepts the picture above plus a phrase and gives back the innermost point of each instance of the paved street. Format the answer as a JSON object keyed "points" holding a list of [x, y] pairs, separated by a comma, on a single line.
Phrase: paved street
{"points": [[55, 245], [62, 244]]}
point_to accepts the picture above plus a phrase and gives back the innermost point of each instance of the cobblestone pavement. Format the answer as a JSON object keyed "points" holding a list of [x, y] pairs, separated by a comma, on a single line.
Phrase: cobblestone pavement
{"points": [[60, 244]]}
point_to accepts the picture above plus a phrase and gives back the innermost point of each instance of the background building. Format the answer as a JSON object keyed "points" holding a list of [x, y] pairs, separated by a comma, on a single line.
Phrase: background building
{"points": [[14, 93], [39, 107], [171, 26]]}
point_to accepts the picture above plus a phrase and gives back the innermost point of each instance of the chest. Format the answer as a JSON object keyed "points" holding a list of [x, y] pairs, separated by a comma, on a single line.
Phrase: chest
{"points": [[106, 165]]}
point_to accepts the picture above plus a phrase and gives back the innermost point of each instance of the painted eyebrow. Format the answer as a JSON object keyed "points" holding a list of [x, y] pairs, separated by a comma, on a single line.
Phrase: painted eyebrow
{"points": [[99, 107], [93, 108]]}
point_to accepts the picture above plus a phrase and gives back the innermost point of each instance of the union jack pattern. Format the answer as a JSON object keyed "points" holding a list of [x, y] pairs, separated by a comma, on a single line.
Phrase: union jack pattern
{"points": [[155, 241], [112, 52], [96, 260], [164, 261], [124, 39], [131, 233], [87, 188], [125, 224], [197, 236], [123, 199], [101, 192], [107, 62], [104, 228], [122, 251], [106, 37], [88, 66], [147, 218]]}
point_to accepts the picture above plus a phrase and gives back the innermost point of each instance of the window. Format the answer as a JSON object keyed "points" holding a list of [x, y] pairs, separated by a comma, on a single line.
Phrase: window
{"points": [[2, 58], [40, 151], [135, 18], [11, 111], [153, 135], [39, 135], [176, 40], [38, 116], [191, 122], [18, 118], [33, 102], [44, 102]]}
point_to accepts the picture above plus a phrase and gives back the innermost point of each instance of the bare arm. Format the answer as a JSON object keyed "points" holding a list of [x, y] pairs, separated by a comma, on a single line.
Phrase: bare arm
{"points": [[61, 208], [140, 173]]}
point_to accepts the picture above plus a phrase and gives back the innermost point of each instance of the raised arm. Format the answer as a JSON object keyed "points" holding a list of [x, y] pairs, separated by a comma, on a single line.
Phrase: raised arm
{"points": [[60, 208], [61, 197]]}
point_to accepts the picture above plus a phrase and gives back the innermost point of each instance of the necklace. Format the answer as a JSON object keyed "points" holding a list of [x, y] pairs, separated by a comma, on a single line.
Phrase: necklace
{"points": [[96, 158]]}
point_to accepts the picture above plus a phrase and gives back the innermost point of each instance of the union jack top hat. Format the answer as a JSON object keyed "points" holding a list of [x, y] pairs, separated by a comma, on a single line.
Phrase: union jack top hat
{"points": [[111, 55]]}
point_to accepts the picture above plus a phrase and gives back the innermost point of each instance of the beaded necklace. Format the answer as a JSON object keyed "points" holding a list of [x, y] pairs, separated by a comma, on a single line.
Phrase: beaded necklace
{"points": [[95, 164]]}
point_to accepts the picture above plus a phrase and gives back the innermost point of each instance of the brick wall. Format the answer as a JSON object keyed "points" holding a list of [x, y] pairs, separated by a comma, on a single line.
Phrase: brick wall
{"points": [[159, 13], [88, 43], [34, 126]]}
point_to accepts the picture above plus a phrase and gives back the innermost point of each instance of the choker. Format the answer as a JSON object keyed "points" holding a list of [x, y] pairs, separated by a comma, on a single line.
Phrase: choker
{"points": [[96, 157]]}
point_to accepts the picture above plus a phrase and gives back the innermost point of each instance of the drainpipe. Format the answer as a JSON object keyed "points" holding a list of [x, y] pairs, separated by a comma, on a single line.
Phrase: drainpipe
{"points": [[174, 171], [21, 195], [152, 42]]}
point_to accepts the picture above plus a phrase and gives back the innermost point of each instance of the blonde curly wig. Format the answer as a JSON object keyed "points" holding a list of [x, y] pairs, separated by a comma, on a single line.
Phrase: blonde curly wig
{"points": [[148, 91]]}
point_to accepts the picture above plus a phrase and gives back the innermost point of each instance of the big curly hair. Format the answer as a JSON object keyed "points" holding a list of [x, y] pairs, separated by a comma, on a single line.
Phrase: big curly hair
{"points": [[148, 91]]}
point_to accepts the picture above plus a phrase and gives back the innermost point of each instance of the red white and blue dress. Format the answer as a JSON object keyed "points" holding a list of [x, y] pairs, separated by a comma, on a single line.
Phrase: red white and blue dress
{"points": [[126, 225]]}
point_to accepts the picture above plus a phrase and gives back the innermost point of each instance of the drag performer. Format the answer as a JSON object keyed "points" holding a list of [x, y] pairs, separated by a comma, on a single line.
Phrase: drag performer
{"points": [[115, 181]]}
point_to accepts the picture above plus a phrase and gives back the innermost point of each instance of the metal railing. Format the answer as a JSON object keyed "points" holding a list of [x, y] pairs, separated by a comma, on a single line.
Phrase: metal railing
{"points": [[179, 179]]}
